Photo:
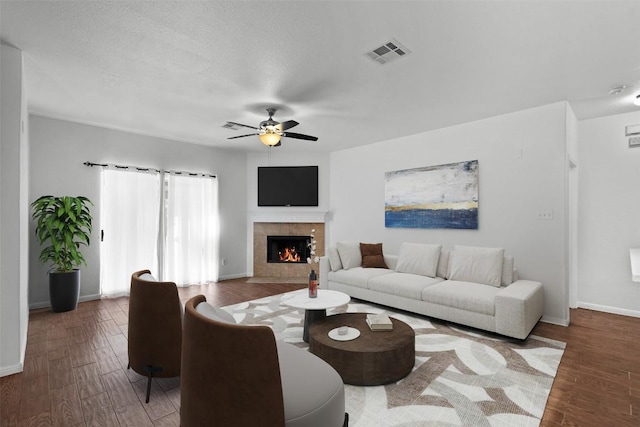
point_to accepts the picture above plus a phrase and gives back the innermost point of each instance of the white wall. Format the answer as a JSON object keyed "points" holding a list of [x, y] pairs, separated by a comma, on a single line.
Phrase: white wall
{"points": [[58, 151], [14, 205], [609, 217], [522, 163]]}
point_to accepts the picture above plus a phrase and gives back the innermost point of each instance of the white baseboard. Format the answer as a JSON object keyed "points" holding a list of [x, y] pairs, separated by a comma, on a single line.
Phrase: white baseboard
{"points": [[37, 305], [47, 304], [555, 321], [10, 370], [90, 297], [232, 276], [607, 309]]}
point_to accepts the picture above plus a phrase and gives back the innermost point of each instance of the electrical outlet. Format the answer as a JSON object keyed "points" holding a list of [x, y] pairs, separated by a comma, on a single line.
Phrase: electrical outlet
{"points": [[545, 215]]}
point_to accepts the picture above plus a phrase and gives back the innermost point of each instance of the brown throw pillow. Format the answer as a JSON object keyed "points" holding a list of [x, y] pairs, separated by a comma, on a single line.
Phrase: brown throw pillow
{"points": [[372, 255]]}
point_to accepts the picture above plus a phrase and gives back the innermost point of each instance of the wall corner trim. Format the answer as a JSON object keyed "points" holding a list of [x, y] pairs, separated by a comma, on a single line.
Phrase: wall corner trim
{"points": [[555, 321], [10, 370]]}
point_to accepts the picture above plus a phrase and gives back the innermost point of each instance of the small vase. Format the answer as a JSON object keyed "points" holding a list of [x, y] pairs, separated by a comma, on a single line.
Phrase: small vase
{"points": [[313, 284]]}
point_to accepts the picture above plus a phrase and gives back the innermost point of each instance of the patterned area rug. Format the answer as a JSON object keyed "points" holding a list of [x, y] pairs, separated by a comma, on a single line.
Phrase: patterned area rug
{"points": [[462, 377]]}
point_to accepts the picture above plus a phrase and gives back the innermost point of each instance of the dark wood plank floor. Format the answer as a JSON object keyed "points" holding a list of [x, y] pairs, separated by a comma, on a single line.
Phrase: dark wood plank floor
{"points": [[75, 368], [598, 381]]}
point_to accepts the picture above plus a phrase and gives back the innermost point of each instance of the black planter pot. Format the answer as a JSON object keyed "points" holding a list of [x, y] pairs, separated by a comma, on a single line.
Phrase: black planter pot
{"points": [[64, 290]]}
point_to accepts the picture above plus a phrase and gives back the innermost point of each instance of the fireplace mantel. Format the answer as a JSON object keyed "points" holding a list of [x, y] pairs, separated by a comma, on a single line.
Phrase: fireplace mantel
{"points": [[287, 216]]}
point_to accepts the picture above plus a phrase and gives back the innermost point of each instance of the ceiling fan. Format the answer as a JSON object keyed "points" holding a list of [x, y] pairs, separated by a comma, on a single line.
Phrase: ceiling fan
{"points": [[270, 131]]}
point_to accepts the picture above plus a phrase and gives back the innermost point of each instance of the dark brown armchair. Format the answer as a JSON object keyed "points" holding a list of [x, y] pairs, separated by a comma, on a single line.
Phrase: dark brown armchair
{"points": [[155, 328], [239, 375]]}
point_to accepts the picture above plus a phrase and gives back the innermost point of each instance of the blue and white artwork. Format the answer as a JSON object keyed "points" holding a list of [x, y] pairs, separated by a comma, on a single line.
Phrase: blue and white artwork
{"points": [[443, 196]]}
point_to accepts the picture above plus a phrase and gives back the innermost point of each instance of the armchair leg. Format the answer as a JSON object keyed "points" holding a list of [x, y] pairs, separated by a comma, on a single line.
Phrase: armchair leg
{"points": [[148, 387], [150, 370], [346, 420]]}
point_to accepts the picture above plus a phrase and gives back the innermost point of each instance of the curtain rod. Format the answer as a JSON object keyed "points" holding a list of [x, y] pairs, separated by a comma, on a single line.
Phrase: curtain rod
{"points": [[173, 172]]}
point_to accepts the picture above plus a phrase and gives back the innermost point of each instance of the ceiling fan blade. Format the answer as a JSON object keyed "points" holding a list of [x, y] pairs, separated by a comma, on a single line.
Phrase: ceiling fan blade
{"points": [[240, 124], [300, 136], [289, 124], [242, 136]]}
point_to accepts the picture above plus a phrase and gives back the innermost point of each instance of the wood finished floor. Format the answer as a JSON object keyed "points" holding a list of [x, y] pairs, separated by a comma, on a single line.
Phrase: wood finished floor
{"points": [[75, 368]]}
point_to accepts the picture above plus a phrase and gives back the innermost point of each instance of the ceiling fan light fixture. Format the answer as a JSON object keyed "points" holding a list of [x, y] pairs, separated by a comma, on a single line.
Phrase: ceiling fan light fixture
{"points": [[637, 100], [270, 132], [269, 137]]}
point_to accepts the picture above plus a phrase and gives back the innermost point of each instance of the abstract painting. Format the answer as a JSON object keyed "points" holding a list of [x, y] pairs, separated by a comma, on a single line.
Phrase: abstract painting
{"points": [[443, 196]]}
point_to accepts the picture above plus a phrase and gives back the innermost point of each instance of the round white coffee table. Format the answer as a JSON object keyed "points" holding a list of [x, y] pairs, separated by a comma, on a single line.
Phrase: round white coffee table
{"points": [[314, 308]]}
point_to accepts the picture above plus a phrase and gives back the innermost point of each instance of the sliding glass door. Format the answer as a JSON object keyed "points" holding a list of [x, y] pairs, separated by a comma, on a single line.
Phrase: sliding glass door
{"points": [[162, 221], [129, 219], [191, 229]]}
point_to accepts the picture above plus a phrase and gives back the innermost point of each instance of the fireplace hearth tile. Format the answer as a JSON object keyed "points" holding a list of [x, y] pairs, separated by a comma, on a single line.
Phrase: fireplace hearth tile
{"points": [[286, 270]]}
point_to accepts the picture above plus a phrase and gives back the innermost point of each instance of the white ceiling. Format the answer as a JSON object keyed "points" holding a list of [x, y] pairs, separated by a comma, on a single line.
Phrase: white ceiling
{"points": [[181, 69]]}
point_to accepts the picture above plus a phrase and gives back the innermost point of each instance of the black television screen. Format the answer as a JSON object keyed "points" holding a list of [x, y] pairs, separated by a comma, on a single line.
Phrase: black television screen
{"points": [[288, 186]]}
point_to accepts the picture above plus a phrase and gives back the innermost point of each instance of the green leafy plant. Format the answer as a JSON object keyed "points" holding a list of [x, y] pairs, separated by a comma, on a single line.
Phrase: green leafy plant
{"points": [[64, 223]]}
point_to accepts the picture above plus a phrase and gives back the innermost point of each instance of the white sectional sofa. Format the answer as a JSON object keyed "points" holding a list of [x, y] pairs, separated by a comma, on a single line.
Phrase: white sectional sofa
{"points": [[472, 286]]}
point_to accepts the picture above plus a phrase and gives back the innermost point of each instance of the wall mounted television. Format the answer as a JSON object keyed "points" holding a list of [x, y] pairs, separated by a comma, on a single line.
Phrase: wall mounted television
{"points": [[287, 185]]}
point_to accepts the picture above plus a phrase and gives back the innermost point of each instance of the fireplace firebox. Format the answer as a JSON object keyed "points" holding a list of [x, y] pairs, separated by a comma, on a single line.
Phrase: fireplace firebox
{"points": [[288, 249]]}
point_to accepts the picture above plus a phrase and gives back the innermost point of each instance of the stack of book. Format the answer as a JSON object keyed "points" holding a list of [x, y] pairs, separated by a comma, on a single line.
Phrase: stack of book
{"points": [[379, 322]]}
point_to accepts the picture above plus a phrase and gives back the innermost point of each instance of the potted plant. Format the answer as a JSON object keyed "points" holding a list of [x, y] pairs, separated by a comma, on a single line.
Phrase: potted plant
{"points": [[63, 226]]}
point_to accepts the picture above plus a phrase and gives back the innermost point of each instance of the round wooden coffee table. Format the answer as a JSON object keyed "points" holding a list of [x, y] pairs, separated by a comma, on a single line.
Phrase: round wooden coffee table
{"points": [[374, 358]]}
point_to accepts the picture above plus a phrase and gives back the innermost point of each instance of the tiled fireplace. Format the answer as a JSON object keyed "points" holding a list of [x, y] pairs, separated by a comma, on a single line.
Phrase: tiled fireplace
{"points": [[279, 248]]}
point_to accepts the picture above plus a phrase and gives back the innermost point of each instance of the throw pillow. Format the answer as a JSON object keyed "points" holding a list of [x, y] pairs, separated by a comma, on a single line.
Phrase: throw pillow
{"points": [[372, 256], [215, 313], [475, 264], [334, 259], [419, 258], [148, 277], [349, 254]]}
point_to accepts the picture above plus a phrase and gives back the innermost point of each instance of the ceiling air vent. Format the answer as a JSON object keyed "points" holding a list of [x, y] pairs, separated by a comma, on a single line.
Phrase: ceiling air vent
{"points": [[388, 52]]}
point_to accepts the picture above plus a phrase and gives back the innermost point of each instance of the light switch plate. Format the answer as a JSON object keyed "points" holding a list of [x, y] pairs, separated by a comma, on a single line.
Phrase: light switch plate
{"points": [[632, 130], [545, 215]]}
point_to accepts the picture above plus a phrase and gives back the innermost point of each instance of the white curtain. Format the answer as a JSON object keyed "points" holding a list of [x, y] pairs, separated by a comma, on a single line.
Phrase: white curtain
{"points": [[129, 217], [191, 229]]}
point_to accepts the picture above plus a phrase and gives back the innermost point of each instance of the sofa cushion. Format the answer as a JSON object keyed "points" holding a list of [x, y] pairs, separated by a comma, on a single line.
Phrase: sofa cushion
{"points": [[419, 258], [467, 296], [443, 264], [476, 264], [322, 404], [358, 277], [391, 261], [334, 259], [372, 255], [507, 270], [349, 254], [402, 284]]}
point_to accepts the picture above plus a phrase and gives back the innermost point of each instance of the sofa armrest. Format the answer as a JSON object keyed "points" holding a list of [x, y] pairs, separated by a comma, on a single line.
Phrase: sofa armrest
{"points": [[324, 272], [519, 306]]}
